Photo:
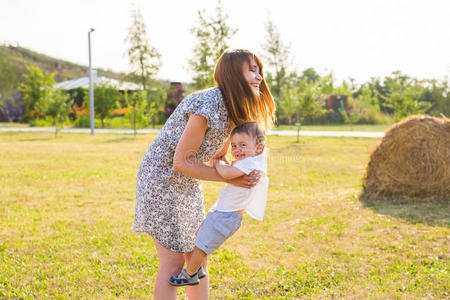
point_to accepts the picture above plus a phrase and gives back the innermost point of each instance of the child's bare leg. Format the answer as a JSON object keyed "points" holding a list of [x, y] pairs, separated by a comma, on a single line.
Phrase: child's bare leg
{"points": [[200, 291], [196, 260]]}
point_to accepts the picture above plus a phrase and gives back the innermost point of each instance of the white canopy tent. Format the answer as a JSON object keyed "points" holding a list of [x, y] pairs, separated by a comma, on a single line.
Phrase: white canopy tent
{"points": [[83, 82]]}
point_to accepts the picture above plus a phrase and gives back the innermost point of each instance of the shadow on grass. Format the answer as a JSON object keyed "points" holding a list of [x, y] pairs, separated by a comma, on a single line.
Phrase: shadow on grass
{"points": [[428, 210], [120, 140], [38, 139]]}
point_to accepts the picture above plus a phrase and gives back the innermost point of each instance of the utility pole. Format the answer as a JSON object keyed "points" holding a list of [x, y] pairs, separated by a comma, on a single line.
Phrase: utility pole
{"points": [[91, 86]]}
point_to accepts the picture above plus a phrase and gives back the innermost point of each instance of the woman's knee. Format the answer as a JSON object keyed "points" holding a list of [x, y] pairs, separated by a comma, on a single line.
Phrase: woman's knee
{"points": [[169, 260]]}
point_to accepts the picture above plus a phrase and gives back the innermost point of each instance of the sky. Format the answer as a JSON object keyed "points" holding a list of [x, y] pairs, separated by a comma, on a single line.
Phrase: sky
{"points": [[356, 39]]}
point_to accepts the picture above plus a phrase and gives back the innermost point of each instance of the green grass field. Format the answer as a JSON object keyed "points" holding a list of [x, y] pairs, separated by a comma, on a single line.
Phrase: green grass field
{"points": [[115, 123], [337, 127], [11, 124], [67, 207]]}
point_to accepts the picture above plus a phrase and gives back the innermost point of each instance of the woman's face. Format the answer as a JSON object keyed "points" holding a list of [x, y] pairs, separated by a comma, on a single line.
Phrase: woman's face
{"points": [[252, 75]]}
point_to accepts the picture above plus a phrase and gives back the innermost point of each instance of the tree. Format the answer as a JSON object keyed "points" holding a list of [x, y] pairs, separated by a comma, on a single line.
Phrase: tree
{"points": [[136, 102], [213, 35], [155, 102], [288, 102], [378, 90], [350, 116], [105, 100], [311, 98], [343, 89], [311, 75], [437, 93], [367, 97], [7, 85], [36, 89], [58, 107], [144, 59], [404, 95], [277, 58], [326, 85]]}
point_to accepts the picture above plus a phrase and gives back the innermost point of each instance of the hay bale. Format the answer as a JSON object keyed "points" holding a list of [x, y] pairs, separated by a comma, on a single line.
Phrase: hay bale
{"points": [[412, 159]]}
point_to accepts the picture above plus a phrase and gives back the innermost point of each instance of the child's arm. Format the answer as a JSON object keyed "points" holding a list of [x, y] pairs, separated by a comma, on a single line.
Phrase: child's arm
{"points": [[228, 172]]}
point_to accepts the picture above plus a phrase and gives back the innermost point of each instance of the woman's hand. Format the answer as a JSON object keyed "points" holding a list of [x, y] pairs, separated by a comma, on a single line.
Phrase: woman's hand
{"points": [[246, 181]]}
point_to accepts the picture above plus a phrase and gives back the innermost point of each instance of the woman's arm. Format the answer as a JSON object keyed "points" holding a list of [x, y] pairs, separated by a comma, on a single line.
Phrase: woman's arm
{"points": [[184, 160], [229, 172]]}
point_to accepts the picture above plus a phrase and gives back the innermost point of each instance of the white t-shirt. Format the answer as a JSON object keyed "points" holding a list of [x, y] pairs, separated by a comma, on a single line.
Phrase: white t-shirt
{"points": [[233, 198]]}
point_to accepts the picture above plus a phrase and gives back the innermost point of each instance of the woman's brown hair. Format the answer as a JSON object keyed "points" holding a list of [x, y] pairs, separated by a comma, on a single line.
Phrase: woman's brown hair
{"points": [[242, 103]]}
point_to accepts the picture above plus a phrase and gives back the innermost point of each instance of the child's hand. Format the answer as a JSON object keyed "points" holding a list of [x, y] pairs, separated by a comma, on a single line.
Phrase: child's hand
{"points": [[216, 161], [222, 160], [219, 162], [226, 160]]}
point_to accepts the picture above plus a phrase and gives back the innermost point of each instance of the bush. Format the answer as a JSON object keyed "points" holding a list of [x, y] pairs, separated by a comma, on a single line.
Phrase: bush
{"points": [[119, 122], [114, 123], [368, 114], [41, 123], [364, 112], [48, 122], [82, 122]]}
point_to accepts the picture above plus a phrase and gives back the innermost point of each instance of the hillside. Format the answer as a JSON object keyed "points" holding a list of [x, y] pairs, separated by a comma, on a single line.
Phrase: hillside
{"points": [[65, 70]]}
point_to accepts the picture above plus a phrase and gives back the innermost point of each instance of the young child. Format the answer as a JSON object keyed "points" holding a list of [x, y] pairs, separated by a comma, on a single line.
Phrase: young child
{"points": [[225, 216]]}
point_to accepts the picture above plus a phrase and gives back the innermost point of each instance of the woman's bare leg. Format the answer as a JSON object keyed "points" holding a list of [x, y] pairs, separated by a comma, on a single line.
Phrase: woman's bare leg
{"points": [[170, 264], [200, 291]]}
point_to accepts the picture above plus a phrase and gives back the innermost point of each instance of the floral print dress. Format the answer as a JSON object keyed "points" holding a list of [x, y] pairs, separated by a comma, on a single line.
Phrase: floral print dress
{"points": [[169, 204]]}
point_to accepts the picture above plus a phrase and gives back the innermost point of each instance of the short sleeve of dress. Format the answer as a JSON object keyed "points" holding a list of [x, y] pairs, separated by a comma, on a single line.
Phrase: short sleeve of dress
{"points": [[206, 104]]}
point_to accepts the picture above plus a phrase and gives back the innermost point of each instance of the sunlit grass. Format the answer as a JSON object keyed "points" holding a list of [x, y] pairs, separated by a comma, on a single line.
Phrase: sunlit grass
{"points": [[67, 207], [13, 124], [119, 123], [337, 127]]}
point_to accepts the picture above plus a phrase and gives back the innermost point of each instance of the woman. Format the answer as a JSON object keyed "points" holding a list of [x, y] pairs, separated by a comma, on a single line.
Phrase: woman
{"points": [[169, 201]]}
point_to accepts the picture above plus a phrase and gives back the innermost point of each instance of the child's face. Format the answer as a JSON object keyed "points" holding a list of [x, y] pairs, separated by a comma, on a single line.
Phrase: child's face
{"points": [[243, 145]]}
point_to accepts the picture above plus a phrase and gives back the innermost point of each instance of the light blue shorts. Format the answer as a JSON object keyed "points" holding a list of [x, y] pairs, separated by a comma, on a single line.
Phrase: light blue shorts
{"points": [[217, 227]]}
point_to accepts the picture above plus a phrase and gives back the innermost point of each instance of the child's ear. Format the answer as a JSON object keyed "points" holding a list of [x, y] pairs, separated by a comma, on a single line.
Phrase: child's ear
{"points": [[260, 148]]}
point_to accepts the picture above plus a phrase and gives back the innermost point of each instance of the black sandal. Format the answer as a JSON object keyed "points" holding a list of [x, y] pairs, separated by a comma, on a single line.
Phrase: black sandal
{"points": [[201, 273], [183, 278]]}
